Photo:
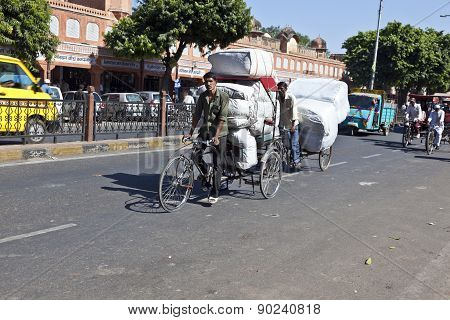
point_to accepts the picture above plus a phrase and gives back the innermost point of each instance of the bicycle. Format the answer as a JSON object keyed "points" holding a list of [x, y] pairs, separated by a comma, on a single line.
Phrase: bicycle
{"points": [[407, 134]]}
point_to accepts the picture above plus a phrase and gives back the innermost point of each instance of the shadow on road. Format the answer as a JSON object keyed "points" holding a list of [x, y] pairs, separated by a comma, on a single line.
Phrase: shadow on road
{"points": [[141, 188], [433, 158]]}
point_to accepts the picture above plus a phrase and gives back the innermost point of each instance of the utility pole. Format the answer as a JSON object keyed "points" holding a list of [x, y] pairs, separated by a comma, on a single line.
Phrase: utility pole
{"points": [[374, 65]]}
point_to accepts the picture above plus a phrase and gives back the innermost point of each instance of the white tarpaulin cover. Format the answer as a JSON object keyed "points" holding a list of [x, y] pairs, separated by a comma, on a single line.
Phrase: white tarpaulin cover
{"points": [[248, 156], [321, 89], [318, 124], [242, 62]]}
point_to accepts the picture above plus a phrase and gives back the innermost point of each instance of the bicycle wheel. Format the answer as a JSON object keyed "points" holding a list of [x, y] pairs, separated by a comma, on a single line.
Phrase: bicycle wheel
{"points": [[325, 158], [406, 138], [176, 183], [270, 176], [429, 142]]}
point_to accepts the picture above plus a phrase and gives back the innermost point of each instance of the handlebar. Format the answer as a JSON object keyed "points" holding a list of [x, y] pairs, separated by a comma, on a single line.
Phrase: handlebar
{"points": [[208, 143]]}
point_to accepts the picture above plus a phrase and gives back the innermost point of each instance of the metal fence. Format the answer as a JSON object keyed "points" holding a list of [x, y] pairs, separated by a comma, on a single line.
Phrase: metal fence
{"points": [[34, 121]]}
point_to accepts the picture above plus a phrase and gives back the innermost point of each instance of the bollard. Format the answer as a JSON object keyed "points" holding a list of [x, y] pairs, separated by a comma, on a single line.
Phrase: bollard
{"points": [[89, 116], [162, 114]]}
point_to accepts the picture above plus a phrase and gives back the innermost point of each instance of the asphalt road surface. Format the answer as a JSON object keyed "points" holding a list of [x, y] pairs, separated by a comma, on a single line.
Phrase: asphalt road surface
{"points": [[92, 228]]}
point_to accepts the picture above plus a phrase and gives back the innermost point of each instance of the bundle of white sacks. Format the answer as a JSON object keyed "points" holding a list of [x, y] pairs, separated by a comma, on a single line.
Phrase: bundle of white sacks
{"points": [[322, 104], [249, 105]]}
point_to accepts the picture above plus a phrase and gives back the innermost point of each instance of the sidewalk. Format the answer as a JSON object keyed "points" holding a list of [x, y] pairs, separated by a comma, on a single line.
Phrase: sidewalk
{"points": [[44, 151]]}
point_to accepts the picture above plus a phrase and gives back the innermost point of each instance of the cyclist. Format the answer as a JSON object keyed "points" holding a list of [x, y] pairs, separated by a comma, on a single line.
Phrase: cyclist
{"points": [[212, 106], [289, 123], [436, 121], [413, 114]]}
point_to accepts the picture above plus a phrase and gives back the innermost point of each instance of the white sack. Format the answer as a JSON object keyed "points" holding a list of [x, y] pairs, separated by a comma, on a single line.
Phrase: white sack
{"points": [[322, 89], [242, 62], [318, 124], [236, 91], [248, 156], [265, 110]]}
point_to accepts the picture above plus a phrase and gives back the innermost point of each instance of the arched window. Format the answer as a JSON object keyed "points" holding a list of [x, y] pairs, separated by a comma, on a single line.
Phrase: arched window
{"points": [[310, 67], [278, 63], [72, 28], [299, 66], [327, 72], [54, 25], [92, 31], [321, 69], [316, 68], [305, 66], [285, 63]]}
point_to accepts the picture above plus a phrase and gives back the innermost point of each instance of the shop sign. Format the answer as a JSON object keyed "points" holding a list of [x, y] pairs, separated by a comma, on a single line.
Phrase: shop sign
{"points": [[155, 67], [69, 58], [120, 64], [191, 71]]}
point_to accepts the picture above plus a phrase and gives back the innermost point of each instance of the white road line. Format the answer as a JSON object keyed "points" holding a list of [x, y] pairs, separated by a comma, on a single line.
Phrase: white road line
{"points": [[338, 164], [372, 156], [291, 174], [30, 162], [395, 150], [36, 233]]}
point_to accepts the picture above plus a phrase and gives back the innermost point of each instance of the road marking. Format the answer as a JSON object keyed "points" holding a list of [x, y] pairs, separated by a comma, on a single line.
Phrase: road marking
{"points": [[338, 164], [395, 150], [30, 162], [36, 233], [290, 174], [372, 156]]}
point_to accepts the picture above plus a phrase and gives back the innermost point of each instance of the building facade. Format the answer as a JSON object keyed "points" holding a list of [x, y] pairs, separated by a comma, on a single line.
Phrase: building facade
{"points": [[82, 58]]}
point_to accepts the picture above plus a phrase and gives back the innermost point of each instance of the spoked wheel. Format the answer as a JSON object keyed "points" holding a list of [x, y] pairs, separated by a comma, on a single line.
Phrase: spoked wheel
{"points": [[325, 158], [429, 142], [270, 177], [176, 183], [406, 138]]}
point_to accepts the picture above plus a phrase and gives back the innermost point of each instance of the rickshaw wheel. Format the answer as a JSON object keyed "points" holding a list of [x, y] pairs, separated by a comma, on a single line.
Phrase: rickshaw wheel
{"points": [[176, 183], [386, 131], [325, 158], [429, 142], [270, 176]]}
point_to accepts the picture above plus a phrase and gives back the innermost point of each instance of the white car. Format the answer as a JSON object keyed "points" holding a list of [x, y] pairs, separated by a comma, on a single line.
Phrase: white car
{"points": [[122, 105], [56, 94]]}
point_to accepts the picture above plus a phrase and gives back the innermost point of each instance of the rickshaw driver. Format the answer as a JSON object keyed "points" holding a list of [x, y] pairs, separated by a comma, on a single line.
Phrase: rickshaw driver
{"points": [[414, 113], [436, 120], [213, 105]]}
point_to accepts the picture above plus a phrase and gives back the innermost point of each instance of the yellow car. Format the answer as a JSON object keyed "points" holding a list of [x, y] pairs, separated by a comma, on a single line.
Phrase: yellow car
{"points": [[24, 108]]}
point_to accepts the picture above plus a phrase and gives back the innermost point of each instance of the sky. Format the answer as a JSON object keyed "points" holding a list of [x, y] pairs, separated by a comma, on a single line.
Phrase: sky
{"points": [[337, 20]]}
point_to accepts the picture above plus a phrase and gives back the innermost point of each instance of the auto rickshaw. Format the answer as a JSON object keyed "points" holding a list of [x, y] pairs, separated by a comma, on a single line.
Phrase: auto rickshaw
{"points": [[369, 111]]}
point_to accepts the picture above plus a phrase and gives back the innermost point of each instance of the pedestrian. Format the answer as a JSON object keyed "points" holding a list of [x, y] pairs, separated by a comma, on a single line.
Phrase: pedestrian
{"points": [[188, 100], [289, 122], [413, 115], [212, 105], [80, 103], [436, 121], [64, 86]]}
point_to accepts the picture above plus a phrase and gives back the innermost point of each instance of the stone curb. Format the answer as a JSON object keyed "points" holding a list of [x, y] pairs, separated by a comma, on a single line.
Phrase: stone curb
{"points": [[45, 151]]}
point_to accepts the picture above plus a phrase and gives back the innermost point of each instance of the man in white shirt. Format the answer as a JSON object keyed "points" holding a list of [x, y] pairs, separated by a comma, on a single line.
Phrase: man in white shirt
{"points": [[436, 121], [289, 121], [413, 113]]}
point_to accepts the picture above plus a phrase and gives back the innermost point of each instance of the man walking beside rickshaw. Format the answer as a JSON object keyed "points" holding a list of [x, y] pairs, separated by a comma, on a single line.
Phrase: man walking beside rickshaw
{"points": [[213, 106], [289, 123], [436, 121]]}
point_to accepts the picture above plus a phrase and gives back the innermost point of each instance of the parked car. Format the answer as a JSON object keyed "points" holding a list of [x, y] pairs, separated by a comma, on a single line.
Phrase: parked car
{"points": [[55, 94], [119, 106], [73, 111], [28, 116], [153, 97]]}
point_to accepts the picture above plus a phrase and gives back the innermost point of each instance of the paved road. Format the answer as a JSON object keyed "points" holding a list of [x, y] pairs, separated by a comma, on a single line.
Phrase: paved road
{"points": [[92, 229]]}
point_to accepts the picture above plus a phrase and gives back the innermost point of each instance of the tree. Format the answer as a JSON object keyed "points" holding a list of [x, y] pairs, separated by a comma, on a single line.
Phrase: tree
{"points": [[25, 28], [409, 58], [274, 31], [163, 29]]}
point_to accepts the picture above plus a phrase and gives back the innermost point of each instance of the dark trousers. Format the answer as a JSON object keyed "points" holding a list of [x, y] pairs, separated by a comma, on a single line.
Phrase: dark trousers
{"points": [[218, 156]]}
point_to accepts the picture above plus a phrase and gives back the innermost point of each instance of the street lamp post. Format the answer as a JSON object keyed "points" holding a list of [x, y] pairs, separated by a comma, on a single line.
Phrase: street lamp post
{"points": [[374, 65]]}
